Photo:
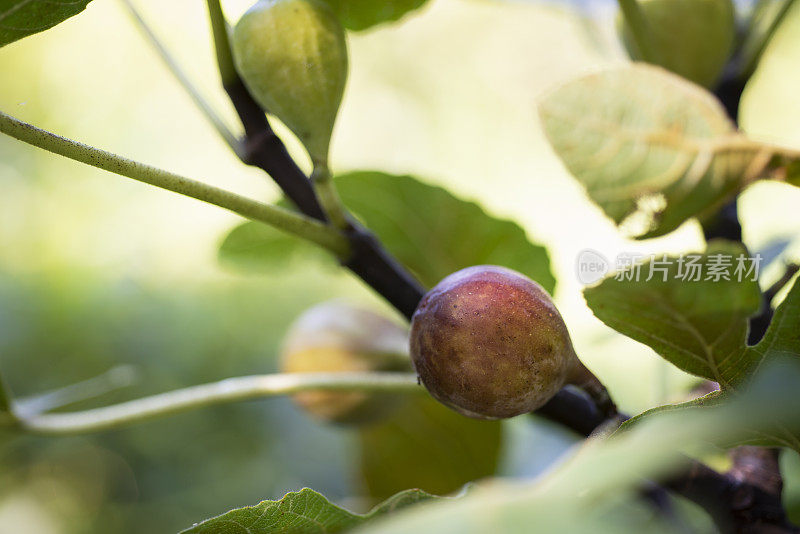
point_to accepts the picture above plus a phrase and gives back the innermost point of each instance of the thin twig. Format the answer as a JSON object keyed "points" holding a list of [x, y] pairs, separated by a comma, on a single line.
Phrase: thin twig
{"points": [[114, 379], [328, 196], [280, 218], [224, 391], [175, 68]]}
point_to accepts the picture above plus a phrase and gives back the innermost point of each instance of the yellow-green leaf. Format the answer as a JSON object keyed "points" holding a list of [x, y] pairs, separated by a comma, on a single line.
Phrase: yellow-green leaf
{"points": [[651, 149]]}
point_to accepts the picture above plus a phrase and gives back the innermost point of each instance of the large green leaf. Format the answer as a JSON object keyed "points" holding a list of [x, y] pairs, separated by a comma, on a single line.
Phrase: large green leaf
{"points": [[300, 512], [701, 327], [435, 233], [363, 14], [772, 433], [429, 230], [698, 325], [256, 247], [426, 445], [715, 398], [594, 489], [770, 108], [651, 149], [20, 18]]}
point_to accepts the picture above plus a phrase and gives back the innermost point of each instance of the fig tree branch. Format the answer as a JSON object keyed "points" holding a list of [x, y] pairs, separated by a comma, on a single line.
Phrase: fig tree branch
{"points": [[280, 218], [261, 147], [745, 500], [369, 260]]}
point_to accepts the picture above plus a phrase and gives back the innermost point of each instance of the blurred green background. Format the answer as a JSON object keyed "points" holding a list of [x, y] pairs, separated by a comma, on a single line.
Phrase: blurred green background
{"points": [[98, 271]]}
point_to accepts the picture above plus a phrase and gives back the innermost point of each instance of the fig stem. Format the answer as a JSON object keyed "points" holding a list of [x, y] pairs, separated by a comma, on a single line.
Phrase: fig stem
{"points": [[214, 393], [328, 196], [222, 45], [174, 67], [280, 218]]}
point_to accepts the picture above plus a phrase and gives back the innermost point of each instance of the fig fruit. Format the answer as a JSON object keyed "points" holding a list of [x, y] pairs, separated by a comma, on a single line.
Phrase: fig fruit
{"points": [[489, 342], [338, 337], [693, 38], [292, 56]]}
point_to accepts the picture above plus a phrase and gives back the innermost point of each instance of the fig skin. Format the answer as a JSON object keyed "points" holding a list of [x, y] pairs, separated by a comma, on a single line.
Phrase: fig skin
{"points": [[292, 56], [337, 337], [489, 342]]}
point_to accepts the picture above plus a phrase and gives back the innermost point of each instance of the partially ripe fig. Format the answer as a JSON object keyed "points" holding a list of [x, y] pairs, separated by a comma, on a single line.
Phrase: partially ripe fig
{"points": [[292, 56], [693, 38], [488, 342], [337, 337]]}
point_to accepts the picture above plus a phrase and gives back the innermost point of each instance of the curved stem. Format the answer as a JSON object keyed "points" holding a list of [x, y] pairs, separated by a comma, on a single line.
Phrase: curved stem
{"points": [[282, 219], [224, 391], [183, 79], [583, 378]]}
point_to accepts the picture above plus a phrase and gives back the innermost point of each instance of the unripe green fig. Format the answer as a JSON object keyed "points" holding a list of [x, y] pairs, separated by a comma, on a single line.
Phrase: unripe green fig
{"points": [[692, 38], [489, 342], [337, 337], [292, 56]]}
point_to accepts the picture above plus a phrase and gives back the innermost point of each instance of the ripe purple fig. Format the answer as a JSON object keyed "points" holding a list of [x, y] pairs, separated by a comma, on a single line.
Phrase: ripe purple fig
{"points": [[489, 342]]}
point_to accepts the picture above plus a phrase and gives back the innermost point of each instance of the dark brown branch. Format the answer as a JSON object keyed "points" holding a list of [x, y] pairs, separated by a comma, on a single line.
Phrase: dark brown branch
{"points": [[573, 409], [369, 260], [746, 499], [263, 149]]}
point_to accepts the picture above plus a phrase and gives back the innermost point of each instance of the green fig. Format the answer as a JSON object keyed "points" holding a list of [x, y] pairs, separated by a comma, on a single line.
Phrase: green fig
{"points": [[692, 38], [336, 337], [292, 56], [489, 342]]}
